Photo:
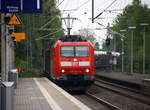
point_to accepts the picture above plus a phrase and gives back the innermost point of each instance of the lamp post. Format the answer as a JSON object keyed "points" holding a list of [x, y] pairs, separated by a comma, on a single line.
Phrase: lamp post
{"points": [[122, 53], [131, 28], [144, 25]]}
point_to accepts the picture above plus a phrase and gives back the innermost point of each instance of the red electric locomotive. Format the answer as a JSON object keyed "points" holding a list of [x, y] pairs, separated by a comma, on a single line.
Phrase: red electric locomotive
{"points": [[70, 63]]}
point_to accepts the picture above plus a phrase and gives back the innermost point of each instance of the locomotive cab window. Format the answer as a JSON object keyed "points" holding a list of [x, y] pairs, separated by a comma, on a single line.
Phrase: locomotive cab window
{"points": [[74, 51], [67, 51], [81, 51]]}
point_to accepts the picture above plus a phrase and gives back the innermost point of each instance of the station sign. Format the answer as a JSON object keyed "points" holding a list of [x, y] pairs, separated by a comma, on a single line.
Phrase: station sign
{"points": [[32, 6], [10, 6], [20, 6]]}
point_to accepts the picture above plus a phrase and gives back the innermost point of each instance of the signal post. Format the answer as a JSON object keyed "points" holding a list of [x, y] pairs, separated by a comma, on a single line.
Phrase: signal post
{"points": [[7, 41], [3, 48]]}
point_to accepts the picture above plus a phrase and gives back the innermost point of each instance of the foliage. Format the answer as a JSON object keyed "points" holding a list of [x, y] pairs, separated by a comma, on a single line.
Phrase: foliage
{"points": [[30, 52], [134, 15], [29, 74]]}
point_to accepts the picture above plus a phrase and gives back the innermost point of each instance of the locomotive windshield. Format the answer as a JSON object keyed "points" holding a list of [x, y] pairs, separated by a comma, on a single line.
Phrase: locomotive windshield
{"points": [[74, 51], [81, 51], [67, 51]]}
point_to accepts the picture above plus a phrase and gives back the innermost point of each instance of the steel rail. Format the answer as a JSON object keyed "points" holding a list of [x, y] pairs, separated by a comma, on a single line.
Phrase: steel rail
{"points": [[103, 102], [140, 99]]}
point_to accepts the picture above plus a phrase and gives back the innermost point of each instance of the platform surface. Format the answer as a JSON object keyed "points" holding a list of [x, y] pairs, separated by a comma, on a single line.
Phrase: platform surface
{"points": [[42, 94], [133, 78]]}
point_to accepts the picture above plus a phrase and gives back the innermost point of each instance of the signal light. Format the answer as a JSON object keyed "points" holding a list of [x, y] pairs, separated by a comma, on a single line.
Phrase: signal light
{"points": [[108, 41], [13, 38], [7, 19], [11, 29]]}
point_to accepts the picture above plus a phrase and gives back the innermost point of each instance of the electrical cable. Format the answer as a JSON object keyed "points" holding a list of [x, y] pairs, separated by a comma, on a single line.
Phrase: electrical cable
{"points": [[49, 22], [113, 10], [60, 3], [54, 17], [103, 4], [48, 34], [83, 4], [105, 9], [76, 9]]}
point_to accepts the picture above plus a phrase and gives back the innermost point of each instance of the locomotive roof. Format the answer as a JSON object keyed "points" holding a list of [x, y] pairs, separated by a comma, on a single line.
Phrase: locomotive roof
{"points": [[72, 38]]}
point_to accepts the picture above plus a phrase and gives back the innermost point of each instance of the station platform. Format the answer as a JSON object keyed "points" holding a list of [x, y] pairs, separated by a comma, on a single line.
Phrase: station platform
{"points": [[134, 81], [42, 94], [133, 78]]}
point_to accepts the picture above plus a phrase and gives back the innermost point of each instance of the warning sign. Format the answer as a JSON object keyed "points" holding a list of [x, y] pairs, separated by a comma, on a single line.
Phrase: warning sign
{"points": [[15, 20]]}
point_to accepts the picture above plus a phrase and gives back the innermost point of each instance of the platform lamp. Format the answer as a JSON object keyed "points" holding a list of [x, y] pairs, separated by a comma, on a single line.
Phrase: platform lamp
{"points": [[132, 28], [122, 53], [144, 25]]}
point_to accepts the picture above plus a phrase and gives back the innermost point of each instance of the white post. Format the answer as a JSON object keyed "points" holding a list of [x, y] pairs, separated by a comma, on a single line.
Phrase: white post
{"points": [[132, 29], [144, 25]]}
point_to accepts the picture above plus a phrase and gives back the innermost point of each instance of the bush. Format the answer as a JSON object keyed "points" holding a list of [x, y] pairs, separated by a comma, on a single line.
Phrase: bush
{"points": [[32, 72]]}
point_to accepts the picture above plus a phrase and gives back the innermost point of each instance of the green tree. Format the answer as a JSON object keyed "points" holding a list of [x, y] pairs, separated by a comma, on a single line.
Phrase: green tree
{"points": [[30, 51], [134, 15]]}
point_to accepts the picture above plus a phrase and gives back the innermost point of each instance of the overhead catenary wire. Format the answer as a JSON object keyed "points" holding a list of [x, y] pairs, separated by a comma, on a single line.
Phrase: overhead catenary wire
{"points": [[112, 31], [47, 29], [48, 34], [83, 4], [60, 3], [113, 10], [49, 22], [53, 17], [105, 9], [76, 9], [42, 27], [86, 3]]}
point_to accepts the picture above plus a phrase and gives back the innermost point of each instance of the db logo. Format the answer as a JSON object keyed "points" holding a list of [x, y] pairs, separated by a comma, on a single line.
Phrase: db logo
{"points": [[75, 63]]}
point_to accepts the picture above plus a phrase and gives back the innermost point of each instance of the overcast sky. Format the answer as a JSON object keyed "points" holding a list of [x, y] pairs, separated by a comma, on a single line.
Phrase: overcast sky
{"points": [[83, 13]]}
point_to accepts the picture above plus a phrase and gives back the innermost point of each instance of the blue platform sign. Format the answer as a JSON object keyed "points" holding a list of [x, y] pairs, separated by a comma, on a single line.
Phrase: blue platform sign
{"points": [[10, 6], [32, 6], [20, 6]]}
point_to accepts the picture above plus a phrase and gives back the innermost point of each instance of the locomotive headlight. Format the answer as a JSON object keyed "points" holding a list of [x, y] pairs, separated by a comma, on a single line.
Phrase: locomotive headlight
{"points": [[62, 70], [87, 70], [74, 59]]}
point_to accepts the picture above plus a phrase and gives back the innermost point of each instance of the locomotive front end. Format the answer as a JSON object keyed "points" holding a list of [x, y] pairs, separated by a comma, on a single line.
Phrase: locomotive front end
{"points": [[75, 64]]}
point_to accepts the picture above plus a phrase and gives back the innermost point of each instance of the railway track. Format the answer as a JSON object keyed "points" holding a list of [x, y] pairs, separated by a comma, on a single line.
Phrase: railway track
{"points": [[103, 102], [130, 85], [115, 100], [99, 98], [96, 103], [117, 97], [125, 91]]}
